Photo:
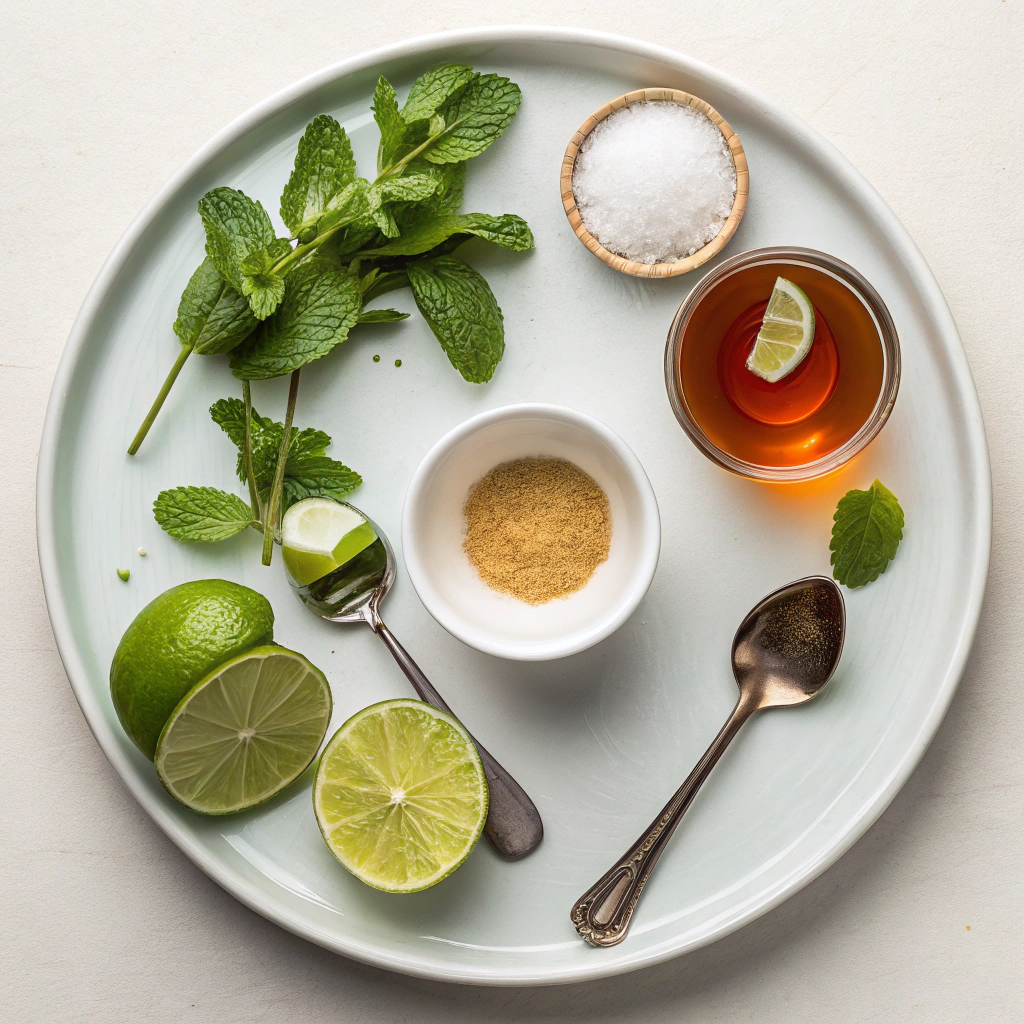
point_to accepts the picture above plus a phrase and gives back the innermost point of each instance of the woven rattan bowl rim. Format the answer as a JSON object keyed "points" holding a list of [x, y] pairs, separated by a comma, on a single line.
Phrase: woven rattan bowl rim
{"points": [[702, 255]]}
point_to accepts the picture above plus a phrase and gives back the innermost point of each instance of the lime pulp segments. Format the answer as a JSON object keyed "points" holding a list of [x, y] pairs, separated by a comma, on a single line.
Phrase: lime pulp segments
{"points": [[786, 335], [246, 731], [319, 535], [400, 795]]}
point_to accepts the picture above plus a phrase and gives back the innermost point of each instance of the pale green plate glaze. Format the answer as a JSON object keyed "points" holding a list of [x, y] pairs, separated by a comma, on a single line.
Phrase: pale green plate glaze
{"points": [[600, 739]]}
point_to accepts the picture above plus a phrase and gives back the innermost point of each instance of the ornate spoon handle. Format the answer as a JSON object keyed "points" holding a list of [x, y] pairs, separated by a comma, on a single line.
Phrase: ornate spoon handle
{"points": [[513, 826], [603, 913]]}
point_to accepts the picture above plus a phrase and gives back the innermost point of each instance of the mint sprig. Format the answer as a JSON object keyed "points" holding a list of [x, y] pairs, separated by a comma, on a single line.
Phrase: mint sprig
{"points": [[867, 530], [277, 304], [208, 514]]}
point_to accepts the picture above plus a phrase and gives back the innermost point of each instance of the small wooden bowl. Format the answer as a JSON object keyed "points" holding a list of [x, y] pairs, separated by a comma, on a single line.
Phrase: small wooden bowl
{"points": [[702, 255]]}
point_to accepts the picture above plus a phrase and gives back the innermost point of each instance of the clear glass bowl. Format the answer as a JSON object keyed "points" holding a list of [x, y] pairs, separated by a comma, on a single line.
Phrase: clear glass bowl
{"points": [[888, 339]]}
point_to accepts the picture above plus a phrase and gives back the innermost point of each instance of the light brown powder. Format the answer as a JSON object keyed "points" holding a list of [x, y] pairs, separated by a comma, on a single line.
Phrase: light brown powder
{"points": [[537, 528]]}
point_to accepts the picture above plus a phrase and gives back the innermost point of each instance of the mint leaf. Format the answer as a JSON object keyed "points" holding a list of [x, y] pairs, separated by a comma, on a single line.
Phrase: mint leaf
{"points": [[450, 187], [409, 188], [389, 121], [381, 316], [229, 415], [235, 226], [462, 312], [508, 231], [346, 206], [867, 531], [433, 88], [474, 119], [324, 165], [317, 476], [320, 307], [261, 285], [201, 513], [212, 316]]}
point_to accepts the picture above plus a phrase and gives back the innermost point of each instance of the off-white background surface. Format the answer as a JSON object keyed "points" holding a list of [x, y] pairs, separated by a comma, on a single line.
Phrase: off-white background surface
{"points": [[102, 919]]}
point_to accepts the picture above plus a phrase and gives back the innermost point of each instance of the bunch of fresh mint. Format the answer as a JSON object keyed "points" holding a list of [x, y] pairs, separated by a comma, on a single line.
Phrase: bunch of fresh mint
{"points": [[276, 304]]}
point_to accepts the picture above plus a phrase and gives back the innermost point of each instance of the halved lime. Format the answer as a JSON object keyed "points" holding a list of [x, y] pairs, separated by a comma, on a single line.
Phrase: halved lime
{"points": [[246, 731], [318, 535], [786, 334], [400, 795]]}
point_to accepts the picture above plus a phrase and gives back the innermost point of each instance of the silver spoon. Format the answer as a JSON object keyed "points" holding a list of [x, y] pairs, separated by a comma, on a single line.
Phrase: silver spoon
{"points": [[352, 593], [784, 653]]}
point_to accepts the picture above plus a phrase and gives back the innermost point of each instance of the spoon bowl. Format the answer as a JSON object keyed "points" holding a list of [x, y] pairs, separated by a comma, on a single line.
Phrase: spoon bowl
{"points": [[789, 644], [345, 595]]}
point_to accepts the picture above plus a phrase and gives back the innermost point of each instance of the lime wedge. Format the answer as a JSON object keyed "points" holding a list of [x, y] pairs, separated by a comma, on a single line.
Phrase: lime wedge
{"points": [[246, 731], [786, 334], [318, 535], [400, 795]]}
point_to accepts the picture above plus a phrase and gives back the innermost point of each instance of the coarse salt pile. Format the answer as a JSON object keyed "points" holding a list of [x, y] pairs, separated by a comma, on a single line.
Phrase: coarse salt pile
{"points": [[654, 181]]}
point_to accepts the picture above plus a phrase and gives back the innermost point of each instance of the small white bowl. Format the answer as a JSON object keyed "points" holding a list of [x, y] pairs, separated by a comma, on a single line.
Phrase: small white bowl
{"points": [[433, 530]]}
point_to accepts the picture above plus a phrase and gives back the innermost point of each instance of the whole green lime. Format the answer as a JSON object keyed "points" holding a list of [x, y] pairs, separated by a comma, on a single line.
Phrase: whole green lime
{"points": [[177, 639]]}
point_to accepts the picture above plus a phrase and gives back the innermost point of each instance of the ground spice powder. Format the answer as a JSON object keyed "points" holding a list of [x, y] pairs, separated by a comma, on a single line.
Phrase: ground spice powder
{"points": [[537, 528]]}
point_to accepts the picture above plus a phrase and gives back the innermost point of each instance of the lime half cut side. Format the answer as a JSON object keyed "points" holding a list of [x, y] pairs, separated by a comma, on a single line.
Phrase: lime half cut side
{"points": [[246, 731], [786, 334], [318, 535], [400, 795]]}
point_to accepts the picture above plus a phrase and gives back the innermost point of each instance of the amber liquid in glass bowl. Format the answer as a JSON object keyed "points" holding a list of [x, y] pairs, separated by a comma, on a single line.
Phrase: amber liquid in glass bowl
{"points": [[815, 409]]}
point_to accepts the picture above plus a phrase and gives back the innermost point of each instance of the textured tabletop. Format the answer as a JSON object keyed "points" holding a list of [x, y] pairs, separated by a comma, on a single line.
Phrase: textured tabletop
{"points": [[105, 920]]}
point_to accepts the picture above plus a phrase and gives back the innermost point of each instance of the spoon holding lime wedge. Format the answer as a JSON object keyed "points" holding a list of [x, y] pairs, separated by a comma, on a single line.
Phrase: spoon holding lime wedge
{"points": [[341, 566]]}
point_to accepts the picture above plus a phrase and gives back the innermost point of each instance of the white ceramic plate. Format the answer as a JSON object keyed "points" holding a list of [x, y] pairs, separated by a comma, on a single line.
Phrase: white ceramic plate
{"points": [[600, 739]]}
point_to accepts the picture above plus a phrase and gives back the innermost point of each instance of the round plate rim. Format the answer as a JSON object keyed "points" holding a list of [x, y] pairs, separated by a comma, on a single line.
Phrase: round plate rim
{"points": [[914, 264]]}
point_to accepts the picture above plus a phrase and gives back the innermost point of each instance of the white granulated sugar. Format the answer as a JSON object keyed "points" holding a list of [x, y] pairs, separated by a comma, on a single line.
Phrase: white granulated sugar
{"points": [[654, 181]]}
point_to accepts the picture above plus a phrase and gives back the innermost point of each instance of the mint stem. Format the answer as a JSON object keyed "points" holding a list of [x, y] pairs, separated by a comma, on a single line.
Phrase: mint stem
{"points": [[274, 499], [250, 475], [186, 351]]}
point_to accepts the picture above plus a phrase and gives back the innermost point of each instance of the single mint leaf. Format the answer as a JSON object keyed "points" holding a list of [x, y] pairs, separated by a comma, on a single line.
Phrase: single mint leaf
{"points": [[409, 188], [462, 312], [317, 476], [508, 231], [434, 88], [867, 531], [324, 165], [235, 226], [320, 307], [212, 316], [381, 316], [229, 415], [261, 285], [201, 513], [385, 221], [474, 119], [389, 121]]}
